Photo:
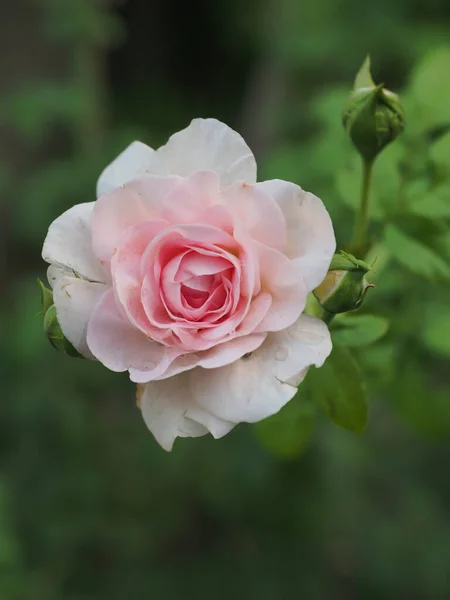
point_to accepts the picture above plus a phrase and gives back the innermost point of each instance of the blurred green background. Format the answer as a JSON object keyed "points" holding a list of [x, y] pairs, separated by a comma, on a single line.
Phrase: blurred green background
{"points": [[91, 508]]}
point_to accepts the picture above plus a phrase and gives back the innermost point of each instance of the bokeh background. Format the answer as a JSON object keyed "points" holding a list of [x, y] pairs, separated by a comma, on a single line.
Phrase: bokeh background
{"points": [[91, 508]]}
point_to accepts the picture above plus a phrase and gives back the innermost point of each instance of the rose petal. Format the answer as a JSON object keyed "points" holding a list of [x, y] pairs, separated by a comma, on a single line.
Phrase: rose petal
{"points": [[130, 163], [170, 411], [195, 194], [195, 265], [139, 200], [259, 213], [282, 280], [75, 300], [126, 269], [206, 144], [310, 235], [218, 356], [55, 272], [69, 244], [255, 387], [116, 343]]}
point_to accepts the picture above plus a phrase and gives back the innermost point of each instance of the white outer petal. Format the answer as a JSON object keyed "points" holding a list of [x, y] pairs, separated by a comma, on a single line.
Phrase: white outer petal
{"points": [[169, 411], [130, 163], [311, 241], [75, 300], [69, 244], [253, 388], [206, 144]]}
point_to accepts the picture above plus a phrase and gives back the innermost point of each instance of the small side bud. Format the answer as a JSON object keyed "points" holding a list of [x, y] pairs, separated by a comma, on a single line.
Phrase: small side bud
{"points": [[55, 335], [344, 286], [373, 116]]}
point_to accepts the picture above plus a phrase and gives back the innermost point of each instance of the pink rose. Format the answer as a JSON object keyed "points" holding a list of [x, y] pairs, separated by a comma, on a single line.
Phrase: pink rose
{"points": [[193, 278]]}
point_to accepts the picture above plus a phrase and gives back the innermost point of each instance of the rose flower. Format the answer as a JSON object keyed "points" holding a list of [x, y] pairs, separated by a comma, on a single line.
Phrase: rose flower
{"points": [[193, 278]]}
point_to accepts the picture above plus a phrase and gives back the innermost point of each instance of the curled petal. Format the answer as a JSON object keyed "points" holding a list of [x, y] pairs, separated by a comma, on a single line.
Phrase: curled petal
{"points": [[170, 411]]}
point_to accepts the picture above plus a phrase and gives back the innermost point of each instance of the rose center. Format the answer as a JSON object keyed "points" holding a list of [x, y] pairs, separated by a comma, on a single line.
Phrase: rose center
{"points": [[195, 298]]}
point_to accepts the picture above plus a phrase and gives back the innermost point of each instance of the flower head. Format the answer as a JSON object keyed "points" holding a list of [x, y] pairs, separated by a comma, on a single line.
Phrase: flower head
{"points": [[193, 277]]}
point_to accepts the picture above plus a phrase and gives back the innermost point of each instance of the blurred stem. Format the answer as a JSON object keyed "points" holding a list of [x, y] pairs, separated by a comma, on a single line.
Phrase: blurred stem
{"points": [[89, 77], [358, 245]]}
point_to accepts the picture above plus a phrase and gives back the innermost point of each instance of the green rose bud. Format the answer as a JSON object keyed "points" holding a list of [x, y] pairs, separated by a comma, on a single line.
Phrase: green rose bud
{"points": [[55, 335], [344, 286], [373, 116]]}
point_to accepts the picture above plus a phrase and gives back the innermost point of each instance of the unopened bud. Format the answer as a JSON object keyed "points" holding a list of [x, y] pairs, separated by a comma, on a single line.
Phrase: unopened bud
{"points": [[373, 116], [55, 335], [345, 285]]}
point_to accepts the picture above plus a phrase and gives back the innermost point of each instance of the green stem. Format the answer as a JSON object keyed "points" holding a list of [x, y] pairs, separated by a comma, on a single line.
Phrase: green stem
{"points": [[325, 316], [360, 234]]}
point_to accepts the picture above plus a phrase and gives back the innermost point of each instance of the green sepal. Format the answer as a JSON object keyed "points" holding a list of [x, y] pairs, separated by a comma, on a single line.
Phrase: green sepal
{"points": [[55, 335], [364, 76], [347, 262], [46, 297]]}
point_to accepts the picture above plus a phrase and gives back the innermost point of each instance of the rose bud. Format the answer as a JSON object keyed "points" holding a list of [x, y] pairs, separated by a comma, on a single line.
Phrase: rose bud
{"points": [[373, 116], [345, 285]]}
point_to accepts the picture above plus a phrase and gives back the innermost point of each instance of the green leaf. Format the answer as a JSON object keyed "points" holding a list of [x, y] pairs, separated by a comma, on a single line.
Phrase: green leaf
{"points": [[288, 432], [415, 256], [435, 332], [364, 77], [440, 155], [339, 389], [429, 91], [433, 204], [361, 330]]}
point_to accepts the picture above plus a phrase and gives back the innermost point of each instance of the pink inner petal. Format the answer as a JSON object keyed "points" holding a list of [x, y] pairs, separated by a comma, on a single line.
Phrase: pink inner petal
{"points": [[125, 269], [194, 298]]}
